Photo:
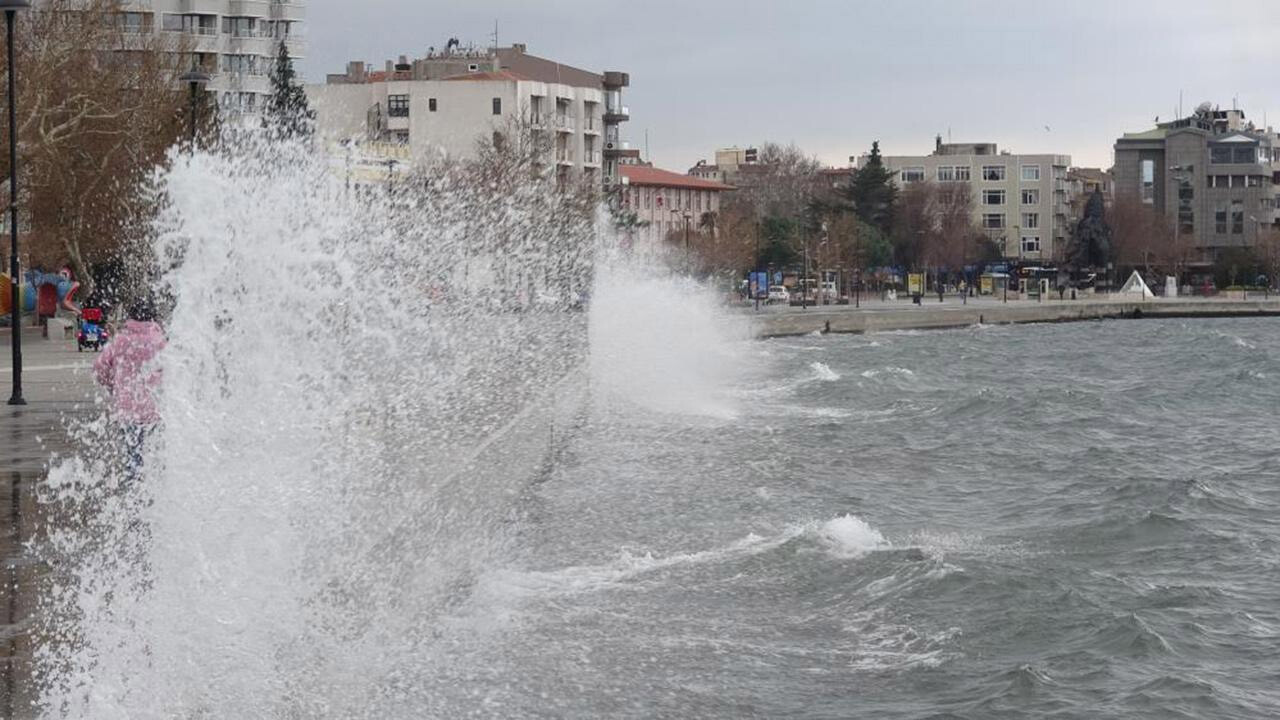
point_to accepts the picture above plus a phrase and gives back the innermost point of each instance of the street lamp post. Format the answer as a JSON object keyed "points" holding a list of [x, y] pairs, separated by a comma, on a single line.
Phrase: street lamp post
{"points": [[195, 78], [11, 7]]}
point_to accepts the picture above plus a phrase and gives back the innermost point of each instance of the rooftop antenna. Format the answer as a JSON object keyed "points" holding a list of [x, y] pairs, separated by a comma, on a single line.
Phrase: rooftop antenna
{"points": [[647, 157], [495, 33]]}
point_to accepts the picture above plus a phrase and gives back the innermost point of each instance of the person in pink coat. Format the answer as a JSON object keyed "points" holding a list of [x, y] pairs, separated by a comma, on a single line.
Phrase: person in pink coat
{"points": [[127, 369]]}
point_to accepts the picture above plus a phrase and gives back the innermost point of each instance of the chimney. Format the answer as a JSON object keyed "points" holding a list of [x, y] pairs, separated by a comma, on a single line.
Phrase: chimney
{"points": [[937, 146], [518, 48], [390, 67]]}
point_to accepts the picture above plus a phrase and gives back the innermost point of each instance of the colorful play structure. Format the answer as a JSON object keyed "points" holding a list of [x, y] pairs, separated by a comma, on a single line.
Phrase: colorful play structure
{"points": [[42, 293]]}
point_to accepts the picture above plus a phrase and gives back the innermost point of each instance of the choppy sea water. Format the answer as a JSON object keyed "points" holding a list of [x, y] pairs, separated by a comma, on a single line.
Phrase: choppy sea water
{"points": [[1067, 521]]}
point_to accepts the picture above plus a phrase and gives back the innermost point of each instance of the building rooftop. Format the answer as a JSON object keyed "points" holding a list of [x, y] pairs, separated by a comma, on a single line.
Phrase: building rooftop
{"points": [[501, 75], [641, 175]]}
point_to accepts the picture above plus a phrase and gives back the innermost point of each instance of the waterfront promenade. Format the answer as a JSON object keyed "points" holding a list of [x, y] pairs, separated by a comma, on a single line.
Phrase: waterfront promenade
{"points": [[876, 315]]}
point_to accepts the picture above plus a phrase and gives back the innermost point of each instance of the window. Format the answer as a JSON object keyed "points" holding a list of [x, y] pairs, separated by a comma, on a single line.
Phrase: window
{"points": [[1031, 173], [992, 197], [497, 106], [993, 173], [171, 22], [135, 22], [1030, 197], [1237, 217], [946, 173], [993, 221], [1220, 220], [1030, 221], [1237, 181], [1255, 181], [1219, 155], [1030, 243], [398, 105], [912, 175], [962, 173], [1149, 181], [431, 104], [1244, 154]]}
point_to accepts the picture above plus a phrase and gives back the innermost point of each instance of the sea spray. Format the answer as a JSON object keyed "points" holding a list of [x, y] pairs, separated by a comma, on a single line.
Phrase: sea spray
{"points": [[359, 381]]}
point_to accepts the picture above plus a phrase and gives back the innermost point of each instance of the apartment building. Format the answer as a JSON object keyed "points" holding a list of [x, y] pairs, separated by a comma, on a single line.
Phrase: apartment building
{"points": [[1021, 201], [1214, 175], [664, 201], [451, 99], [234, 41]]}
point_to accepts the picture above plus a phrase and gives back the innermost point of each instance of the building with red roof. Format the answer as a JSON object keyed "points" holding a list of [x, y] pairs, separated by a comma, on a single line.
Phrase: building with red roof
{"points": [[665, 201]]}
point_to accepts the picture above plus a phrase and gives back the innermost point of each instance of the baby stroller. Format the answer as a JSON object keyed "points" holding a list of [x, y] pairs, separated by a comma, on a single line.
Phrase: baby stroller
{"points": [[92, 333]]}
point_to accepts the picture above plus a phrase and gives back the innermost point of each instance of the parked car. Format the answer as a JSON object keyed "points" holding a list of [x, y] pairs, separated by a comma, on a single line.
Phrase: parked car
{"points": [[778, 293], [829, 292]]}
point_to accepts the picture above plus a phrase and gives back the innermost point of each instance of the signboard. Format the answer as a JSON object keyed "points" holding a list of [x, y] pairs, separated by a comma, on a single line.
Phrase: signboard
{"points": [[915, 284], [759, 284], [987, 285]]}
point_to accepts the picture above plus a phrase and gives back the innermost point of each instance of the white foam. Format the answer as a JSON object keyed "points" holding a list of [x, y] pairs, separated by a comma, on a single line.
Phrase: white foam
{"points": [[848, 536], [904, 372], [823, 372]]}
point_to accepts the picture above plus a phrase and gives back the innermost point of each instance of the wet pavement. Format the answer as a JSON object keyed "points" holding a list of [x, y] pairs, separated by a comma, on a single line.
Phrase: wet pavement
{"points": [[57, 385]]}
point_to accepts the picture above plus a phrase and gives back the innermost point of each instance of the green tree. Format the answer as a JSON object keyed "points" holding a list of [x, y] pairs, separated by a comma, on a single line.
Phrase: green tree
{"points": [[873, 194], [287, 116]]}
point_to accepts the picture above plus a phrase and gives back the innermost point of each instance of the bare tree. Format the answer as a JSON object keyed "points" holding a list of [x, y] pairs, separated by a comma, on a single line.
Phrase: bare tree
{"points": [[98, 107]]}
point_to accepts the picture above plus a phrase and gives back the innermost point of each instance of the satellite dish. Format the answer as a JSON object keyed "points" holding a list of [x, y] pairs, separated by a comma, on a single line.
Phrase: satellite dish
{"points": [[1204, 108]]}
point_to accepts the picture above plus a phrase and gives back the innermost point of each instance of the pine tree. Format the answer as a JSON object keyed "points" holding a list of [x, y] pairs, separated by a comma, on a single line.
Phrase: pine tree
{"points": [[873, 193], [287, 116]]}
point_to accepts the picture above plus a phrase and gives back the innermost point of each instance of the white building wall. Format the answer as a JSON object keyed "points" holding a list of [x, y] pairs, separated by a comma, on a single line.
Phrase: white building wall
{"points": [[464, 116], [203, 29]]}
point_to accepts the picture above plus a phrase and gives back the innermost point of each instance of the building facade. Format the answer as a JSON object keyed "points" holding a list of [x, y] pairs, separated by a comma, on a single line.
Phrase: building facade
{"points": [[1020, 201], [664, 201], [1214, 176], [234, 41], [450, 100]]}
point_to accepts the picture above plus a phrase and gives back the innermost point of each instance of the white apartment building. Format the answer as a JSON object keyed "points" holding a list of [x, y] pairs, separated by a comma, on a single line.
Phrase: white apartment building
{"points": [[448, 102], [1020, 201], [234, 41]]}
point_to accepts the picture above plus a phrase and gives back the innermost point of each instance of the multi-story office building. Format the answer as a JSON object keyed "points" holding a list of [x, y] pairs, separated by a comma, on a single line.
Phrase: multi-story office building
{"points": [[453, 98], [1020, 201], [234, 41], [1214, 175]]}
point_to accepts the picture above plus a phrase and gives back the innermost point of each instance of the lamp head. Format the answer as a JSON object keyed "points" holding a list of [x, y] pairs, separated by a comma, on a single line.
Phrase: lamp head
{"points": [[194, 76]]}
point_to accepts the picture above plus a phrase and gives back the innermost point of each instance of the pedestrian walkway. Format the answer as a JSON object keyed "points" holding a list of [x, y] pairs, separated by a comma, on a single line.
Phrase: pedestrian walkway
{"points": [[57, 383]]}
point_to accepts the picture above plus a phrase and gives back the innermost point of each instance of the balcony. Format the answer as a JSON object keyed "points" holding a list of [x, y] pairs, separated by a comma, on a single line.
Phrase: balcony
{"points": [[566, 123], [617, 114], [591, 125], [249, 8], [201, 7], [288, 10], [564, 156], [591, 157]]}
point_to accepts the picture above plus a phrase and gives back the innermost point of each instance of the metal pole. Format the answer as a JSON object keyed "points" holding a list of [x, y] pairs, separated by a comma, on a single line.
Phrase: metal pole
{"points": [[193, 117], [688, 270], [14, 277]]}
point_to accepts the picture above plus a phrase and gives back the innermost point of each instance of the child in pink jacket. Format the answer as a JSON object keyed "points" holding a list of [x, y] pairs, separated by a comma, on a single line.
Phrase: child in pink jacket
{"points": [[128, 371]]}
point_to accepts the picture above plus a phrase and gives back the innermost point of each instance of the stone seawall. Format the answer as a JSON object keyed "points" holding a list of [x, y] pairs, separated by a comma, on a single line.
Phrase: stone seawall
{"points": [[952, 314]]}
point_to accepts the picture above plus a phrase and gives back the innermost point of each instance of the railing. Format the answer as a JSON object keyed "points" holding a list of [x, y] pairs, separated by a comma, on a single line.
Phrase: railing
{"points": [[566, 122], [590, 123], [564, 155], [591, 157]]}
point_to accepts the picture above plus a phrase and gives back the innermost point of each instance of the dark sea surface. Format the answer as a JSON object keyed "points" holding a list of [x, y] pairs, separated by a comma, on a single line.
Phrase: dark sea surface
{"points": [[1054, 521]]}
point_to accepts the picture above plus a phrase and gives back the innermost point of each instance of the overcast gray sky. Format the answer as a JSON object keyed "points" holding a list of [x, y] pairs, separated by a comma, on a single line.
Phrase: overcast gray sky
{"points": [[831, 76]]}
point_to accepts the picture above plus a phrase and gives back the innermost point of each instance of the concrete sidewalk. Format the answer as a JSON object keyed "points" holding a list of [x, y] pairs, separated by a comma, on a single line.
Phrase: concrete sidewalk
{"points": [[57, 383]]}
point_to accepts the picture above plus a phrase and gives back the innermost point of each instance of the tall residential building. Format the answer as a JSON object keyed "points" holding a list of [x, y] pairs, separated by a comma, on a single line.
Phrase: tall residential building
{"points": [[235, 41], [1020, 201], [450, 99], [1214, 175]]}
